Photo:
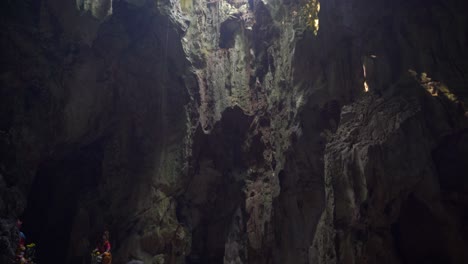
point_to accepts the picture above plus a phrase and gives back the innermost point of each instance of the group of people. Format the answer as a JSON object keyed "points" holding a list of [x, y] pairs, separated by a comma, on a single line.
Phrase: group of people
{"points": [[101, 253], [25, 253]]}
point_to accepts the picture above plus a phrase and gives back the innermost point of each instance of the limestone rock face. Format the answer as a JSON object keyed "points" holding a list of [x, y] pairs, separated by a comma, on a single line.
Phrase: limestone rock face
{"points": [[235, 131], [384, 200]]}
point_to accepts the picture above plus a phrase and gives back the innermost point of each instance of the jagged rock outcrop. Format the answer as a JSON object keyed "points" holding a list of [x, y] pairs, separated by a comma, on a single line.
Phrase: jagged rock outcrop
{"points": [[379, 170], [235, 131]]}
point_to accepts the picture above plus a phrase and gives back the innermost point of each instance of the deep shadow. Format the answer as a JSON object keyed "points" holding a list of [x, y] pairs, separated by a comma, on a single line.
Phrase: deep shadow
{"points": [[220, 156], [227, 33], [451, 161], [418, 235], [53, 200]]}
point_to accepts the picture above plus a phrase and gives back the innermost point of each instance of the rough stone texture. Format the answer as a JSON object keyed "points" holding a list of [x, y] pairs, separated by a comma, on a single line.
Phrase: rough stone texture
{"points": [[228, 131], [88, 124], [379, 170]]}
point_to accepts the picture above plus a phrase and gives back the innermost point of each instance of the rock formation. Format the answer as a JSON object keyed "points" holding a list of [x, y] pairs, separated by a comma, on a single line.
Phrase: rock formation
{"points": [[235, 131]]}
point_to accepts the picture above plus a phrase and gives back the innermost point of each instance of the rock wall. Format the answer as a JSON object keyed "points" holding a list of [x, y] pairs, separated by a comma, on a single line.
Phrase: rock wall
{"points": [[235, 131], [385, 202]]}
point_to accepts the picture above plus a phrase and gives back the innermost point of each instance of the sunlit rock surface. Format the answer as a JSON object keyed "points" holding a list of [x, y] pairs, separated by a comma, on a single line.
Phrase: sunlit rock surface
{"points": [[235, 131]]}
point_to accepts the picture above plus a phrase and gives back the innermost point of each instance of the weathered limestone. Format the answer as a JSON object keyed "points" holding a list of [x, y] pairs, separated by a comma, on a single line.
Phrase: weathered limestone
{"points": [[236, 131], [380, 156]]}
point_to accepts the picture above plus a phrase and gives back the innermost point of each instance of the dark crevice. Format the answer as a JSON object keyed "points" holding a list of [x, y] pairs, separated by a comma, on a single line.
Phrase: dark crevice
{"points": [[214, 195], [53, 198], [228, 31], [451, 162], [418, 235]]}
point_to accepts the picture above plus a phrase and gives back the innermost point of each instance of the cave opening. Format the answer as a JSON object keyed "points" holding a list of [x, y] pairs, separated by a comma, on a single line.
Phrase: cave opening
{"points": [[53, 199]]}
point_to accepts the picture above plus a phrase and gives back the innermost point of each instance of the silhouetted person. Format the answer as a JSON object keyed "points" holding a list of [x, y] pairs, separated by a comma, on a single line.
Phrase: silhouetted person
{"points": [[104, 248]]}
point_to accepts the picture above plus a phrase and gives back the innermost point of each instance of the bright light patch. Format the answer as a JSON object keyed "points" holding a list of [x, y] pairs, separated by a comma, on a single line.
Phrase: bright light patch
{"points": [[434, 88], [316, 26], [310, 14], [366, 87]]}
